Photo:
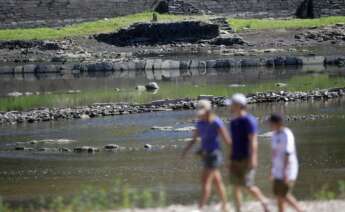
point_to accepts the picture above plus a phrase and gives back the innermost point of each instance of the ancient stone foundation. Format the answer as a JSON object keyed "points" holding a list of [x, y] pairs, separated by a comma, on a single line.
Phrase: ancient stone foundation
{"points": [[161, 33]]}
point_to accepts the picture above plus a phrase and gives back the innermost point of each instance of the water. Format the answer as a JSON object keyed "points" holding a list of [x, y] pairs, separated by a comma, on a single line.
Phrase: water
{"points": [[28, 175]]}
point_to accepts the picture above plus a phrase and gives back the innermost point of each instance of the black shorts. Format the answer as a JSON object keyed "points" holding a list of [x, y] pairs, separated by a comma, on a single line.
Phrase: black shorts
{"points": [[212, 160]]}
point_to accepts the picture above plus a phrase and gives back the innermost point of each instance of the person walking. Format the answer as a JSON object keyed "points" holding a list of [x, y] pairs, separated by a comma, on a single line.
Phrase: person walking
{"points": [[244, 152], [284, 163], [208, 128]]}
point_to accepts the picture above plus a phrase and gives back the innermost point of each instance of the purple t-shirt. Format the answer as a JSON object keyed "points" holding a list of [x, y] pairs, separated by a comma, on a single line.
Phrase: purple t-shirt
{"points": [[208, 132], [240, 129]]}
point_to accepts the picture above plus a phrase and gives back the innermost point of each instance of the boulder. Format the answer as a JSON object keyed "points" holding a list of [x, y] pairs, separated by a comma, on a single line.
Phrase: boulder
{"points": [[152, 86], [6, 70], [148, 146], [111, 147], [86, 149], [293, 61], [42, 68], [30, 68], [249, 62], [313, 60], [100, 67]]}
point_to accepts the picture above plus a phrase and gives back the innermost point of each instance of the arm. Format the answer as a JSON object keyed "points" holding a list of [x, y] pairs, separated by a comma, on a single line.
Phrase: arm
{"points": [[253, 150], [225, 135], [191, 143], [286, 163]]}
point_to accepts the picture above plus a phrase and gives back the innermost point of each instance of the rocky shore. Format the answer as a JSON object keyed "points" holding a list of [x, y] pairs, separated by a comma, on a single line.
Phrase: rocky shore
{"points": [[186, 66], [111, 109]]}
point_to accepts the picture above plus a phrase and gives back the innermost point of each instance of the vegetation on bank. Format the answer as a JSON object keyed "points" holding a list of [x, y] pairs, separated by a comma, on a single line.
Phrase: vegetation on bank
{"points": [[241, 24], [91, 198], [121, 195], [167, 90], [87, 28], [114, 24]]}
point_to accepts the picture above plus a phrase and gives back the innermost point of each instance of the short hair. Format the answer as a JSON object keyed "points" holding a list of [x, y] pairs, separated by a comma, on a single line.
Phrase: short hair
{"points": [[276, 118]]}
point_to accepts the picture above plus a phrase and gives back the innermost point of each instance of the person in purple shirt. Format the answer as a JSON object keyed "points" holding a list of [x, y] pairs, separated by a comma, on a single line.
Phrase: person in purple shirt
{"points": [[244, 157], [208, 128]]}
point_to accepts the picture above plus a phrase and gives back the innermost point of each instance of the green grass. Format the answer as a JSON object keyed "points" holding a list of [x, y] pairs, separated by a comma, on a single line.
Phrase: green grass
{"points": [[114, 24], [87, 28], [167, 90], [241, 24], [91, 198]]}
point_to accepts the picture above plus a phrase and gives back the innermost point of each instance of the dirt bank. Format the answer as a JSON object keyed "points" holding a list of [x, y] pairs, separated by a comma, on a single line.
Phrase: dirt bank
{"points": [[319, 206], [325, 41]]}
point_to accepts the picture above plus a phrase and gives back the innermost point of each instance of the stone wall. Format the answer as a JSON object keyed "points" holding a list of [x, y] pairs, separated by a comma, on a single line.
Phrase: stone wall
{"points": [[32, 13]]}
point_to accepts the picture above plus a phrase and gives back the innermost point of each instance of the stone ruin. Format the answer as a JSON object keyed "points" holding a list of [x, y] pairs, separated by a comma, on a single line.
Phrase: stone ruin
{"points": [[161, 33], [170, 33]]}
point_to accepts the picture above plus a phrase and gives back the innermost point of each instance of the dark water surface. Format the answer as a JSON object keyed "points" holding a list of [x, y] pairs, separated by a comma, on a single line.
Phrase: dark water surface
{"points": [[28, 175]]}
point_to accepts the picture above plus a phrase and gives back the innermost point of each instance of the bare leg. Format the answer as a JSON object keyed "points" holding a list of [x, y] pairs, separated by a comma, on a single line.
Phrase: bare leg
{"points": [[220, 188], [256, 192], [293, 202], [238, 198], [206, 180], [281, 204]]}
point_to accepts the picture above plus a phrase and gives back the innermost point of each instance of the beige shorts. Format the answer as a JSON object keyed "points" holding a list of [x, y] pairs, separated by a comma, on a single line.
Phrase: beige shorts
{"points": [[241, 174], [281, 188]]}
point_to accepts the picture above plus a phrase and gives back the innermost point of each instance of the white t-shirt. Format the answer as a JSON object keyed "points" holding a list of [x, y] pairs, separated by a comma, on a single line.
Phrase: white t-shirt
{"points": [[283, 143]]}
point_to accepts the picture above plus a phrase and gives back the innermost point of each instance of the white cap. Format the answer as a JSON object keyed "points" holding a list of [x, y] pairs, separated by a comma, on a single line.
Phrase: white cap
{"points": [[237, 98], [203, 107]]}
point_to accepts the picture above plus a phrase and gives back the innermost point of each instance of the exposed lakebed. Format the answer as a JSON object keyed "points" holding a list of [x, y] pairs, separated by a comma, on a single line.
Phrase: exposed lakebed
{"points": [[29, 174]]}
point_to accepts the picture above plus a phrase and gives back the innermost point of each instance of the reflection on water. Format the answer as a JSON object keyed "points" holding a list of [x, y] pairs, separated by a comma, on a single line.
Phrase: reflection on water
{"points": [[109, 80], [27, 175]]}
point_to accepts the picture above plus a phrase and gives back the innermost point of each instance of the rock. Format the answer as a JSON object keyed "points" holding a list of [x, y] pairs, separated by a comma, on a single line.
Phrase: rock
{"points": [[206, 97], [45, 149], [6, 70], [111, 147], [21, 148], [64, 149], [227, 41], [140, 88], [237, 85], [14, 94], [279, 61], [162, 128], [100, 67], [184, 129], [84, 116], [152, 86], [211, 64], [313, 60], [73, 91], [42, 68], [29, 68], [293, 61], [279, 84], [86, 149], [249, 62], [148, 146]]}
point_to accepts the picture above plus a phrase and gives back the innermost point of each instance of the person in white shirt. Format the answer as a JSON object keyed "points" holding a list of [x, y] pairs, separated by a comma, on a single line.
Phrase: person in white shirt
{"points": [[284, 163]]}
